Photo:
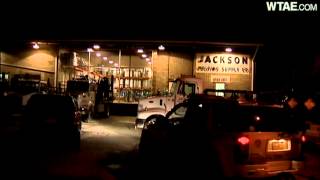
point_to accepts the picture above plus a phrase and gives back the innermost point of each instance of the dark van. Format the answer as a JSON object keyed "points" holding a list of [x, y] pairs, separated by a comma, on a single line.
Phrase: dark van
{"points": [[52, 121]]}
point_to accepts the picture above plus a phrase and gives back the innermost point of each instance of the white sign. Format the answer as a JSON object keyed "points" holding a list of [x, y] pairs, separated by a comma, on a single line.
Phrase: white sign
{"points": [[223, 63], [220, 79]]}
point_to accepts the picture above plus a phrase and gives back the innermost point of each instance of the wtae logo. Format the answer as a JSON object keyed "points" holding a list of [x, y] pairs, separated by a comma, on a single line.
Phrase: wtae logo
{"points": [[290, 6]]}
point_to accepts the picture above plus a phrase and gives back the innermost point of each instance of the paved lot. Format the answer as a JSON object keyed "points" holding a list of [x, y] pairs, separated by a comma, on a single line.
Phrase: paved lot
{"points": [[108, 146], [312, 166], [105, 145]]}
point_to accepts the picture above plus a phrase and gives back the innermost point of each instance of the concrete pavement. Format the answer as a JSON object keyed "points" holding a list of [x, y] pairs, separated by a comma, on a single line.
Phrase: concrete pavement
{"points": [[108, 146], [104, 144]]}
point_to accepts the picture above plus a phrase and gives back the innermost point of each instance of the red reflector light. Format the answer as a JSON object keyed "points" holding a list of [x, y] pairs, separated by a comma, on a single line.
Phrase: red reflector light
{"points": [[243, 140], [303, 138]]}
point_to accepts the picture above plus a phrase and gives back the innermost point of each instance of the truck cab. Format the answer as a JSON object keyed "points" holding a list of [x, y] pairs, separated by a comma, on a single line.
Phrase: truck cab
{"points": [[180, 90]]}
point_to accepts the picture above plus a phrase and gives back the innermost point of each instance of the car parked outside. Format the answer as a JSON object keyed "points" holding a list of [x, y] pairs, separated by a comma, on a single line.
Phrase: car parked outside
{"points": [[212, 137]]}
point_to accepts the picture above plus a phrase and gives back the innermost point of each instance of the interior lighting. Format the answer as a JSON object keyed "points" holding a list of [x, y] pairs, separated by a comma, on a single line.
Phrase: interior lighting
{"points": [[35, 46], [161, 48], [96, 46], [228, 50]]}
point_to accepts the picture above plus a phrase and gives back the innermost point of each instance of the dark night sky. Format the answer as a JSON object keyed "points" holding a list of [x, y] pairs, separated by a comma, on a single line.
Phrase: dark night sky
{"points": [[290, 38]]}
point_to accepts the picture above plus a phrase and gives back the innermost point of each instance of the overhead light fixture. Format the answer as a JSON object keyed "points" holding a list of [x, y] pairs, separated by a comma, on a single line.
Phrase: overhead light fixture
{"points": [[35, 46], [144, 55], [90, 50], [96, 46], [140, 51], [161, 48], [116, 65], [110, 62], [228, 50], [149, 62], [105, 58], [98, 54], [147, 59]]}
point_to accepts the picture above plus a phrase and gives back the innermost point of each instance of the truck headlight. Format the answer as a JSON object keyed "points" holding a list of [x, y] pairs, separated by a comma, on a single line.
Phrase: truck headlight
{"points": [[149, 124]]}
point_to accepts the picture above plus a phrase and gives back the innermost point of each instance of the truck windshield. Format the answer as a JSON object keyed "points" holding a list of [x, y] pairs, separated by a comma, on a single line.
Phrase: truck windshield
{"points": [[189, 88], [174, 87]]}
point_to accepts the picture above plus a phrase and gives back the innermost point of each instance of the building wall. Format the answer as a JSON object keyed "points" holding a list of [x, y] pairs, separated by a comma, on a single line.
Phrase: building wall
{"points": [[169, 66], [160, 71], [179, 64], [29, 61], [13, 70], [237, 81]]}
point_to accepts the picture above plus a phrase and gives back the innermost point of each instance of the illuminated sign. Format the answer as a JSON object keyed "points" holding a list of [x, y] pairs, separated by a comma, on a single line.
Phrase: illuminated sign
{"points": [[222, 79], [223, 63]]}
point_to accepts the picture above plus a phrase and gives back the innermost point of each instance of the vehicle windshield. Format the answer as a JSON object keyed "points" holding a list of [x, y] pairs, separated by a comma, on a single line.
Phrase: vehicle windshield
{"points": [[174, 87], [224, 117], [178, 112], [251, 118], [44, 106], [189, 88]]}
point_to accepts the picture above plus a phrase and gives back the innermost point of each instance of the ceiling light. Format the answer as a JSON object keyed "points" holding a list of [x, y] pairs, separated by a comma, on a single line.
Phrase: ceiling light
{"points": [[228, 50], [149, 62], [140, 51], [105, 58], [35, 46], [110, 62], [90, 50], [116, 64], [161, 48], [147, 59], [96, 46], [98, 54], [144, 55]]}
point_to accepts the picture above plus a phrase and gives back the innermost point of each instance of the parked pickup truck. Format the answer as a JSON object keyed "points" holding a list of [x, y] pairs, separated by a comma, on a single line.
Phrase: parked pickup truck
{"points": [[159, 105]]}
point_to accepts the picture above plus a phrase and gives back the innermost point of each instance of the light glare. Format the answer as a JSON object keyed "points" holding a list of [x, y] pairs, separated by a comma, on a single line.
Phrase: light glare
{"points": [[96, 46], [228, 50], [161, 47]]}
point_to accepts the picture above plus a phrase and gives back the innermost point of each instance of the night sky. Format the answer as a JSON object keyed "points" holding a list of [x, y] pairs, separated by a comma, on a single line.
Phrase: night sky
{"points": [[290, 39]]}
